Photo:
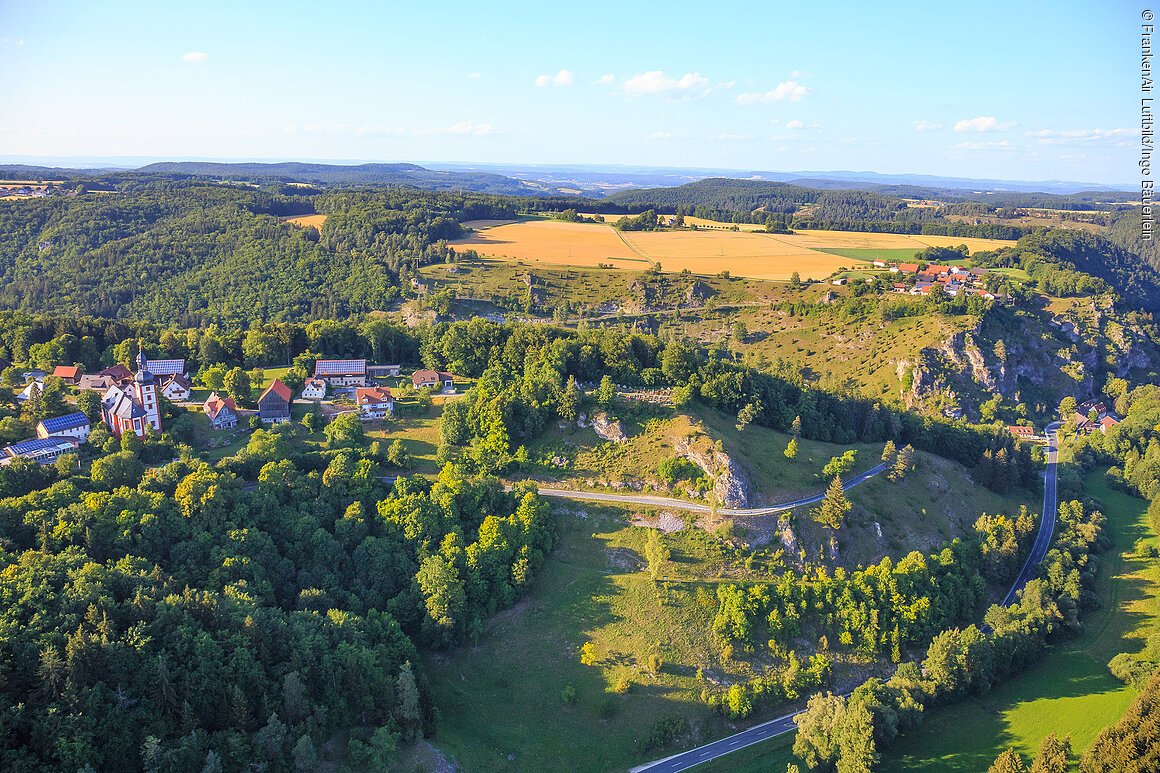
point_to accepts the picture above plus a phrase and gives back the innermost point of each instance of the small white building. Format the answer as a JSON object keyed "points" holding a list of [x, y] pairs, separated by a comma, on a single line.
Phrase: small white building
{"points": [[30, 391], [73, 425], [314, 389], [177, 387]]}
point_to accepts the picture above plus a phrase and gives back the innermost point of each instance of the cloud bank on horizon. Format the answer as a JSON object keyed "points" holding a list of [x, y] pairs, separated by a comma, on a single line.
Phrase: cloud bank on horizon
{"points": [[923, 89]]}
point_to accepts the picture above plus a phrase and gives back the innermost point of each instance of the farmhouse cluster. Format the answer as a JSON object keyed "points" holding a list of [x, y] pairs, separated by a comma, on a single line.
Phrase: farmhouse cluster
{"points": [[923, 279], [131, 400]]}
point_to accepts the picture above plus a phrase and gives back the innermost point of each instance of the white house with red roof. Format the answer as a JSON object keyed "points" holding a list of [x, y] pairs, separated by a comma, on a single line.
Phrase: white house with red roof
{"points": [[374, 403], [222, 411]]}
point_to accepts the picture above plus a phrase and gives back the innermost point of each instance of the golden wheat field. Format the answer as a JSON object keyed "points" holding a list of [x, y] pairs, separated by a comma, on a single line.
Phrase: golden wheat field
{"points": [[756, 255], [308, 221]]}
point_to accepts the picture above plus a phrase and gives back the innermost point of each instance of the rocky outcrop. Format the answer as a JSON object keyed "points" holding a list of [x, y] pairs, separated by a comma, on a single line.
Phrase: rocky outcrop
{"points": [[730, 485], [608, 427]]}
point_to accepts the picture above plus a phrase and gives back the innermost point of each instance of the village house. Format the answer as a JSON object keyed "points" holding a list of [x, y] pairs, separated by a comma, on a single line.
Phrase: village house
{"points": [[222, 411], [43, 450], [177, 387], [433, 379], [69, 374], [314, 389], [74, 425], [117, 373], [840, 281], [133, 407], [274, 404], [342, 372], [95, 383], [1021, 432], [36, 374], [374, 403], [30, 391]]}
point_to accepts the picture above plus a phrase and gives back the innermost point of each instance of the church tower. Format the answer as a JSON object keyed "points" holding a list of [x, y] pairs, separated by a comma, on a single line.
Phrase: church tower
{"points": [[145, 390]]}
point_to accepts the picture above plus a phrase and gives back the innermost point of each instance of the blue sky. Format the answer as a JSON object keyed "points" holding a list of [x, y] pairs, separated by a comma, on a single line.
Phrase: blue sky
{"points": [[1006, 90]]}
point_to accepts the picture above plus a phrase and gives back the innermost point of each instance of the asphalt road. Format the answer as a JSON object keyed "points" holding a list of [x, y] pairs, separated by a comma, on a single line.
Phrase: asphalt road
{"points": [[1046, 523], [783, 725], [694, 507]]}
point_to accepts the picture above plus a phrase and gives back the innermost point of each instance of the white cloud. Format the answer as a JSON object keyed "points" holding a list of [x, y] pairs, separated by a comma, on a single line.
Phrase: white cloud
{"points": [[984, 123], [795, 124], [560, 79], [196, 57], [606, 80], [1083, 136], [786, 91], [656, 82], [467, 128], [798, 74], [1003, 145], [12, 42], [660, 136], [729, 137], [474, 75], [927, 126]]}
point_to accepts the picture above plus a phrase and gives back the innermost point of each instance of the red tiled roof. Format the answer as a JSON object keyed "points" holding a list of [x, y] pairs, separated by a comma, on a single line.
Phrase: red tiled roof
{"points": [[908, 268], [1021, 430], [372, 395], [118, 372], [214, 405], [278, 388], [67, 371]]}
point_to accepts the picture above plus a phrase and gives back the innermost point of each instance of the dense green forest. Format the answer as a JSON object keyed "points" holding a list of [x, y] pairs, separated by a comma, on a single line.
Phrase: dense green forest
{"points": [[181, 617]]}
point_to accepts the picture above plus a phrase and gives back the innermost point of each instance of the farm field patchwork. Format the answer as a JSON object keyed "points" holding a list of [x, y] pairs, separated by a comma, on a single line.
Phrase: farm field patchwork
{"points": [[551, 242], [813, 254]]}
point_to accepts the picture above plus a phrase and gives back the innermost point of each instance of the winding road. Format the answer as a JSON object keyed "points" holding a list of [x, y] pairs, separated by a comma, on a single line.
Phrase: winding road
{"points": [[785, 724], [695, 507]]}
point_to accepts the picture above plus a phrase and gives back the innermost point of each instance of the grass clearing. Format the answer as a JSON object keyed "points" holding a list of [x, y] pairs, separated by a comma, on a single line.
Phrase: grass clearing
{"points": [[1071, 691]]}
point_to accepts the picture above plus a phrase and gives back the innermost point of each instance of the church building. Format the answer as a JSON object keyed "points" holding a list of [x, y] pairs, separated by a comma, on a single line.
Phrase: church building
{"points": [[133, 407]]}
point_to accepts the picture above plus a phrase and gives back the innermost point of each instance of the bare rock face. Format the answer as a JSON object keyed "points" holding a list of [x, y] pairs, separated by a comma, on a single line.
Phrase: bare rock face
{"points": [[608, 427], [729, 482]]}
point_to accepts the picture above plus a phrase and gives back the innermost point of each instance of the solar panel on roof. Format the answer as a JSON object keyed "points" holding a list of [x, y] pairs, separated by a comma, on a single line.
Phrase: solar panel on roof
{"points": [[340, 367], [166, 367], [35, 444], [68, 421]]}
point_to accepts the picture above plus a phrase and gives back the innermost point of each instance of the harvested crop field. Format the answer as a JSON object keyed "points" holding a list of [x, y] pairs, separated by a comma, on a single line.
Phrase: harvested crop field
{"points": [[551, 242], [308, 221], [743, 253]]}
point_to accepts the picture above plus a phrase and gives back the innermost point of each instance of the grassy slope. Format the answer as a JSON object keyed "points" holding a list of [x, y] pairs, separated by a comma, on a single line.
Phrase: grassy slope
{"points": [[502, 696], [1071, 692], [594, 463]]}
